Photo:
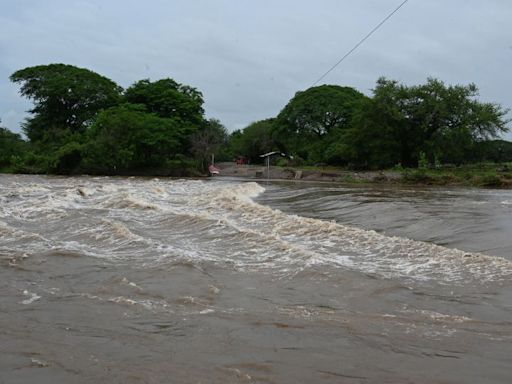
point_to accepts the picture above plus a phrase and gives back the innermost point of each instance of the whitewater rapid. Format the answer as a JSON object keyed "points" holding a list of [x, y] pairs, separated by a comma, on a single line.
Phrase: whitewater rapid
{"points": [[158, 221]]}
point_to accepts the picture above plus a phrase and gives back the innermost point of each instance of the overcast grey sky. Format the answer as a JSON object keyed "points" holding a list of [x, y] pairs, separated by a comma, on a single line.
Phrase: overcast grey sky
{"points": [[250, 57]]}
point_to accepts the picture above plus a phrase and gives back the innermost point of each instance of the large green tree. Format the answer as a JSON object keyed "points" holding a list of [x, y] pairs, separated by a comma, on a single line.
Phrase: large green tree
{"points": [[167, 98], [11, 146], [313, 119], [400, 122], [66, 99], [127, 137], [494, 150], [209, 140], [254, 140]]}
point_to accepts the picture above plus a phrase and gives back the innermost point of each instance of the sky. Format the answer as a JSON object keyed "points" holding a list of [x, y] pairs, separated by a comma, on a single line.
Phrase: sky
{"points": [[248, 58]]}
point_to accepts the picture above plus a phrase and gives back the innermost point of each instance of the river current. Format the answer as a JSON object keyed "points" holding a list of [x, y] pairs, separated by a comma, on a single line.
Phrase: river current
{"points": [[134, 280]]}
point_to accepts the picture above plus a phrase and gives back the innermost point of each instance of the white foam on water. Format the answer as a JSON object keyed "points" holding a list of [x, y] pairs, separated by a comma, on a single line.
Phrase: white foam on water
{"points": [[114, 230], [31, 297], [206, 311], [436, 316], [330, 243], [161, 221], [130, 202], [147, 304], [39, 363]]}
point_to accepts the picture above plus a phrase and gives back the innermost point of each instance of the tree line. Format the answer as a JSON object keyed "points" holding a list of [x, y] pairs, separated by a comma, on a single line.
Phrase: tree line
{"points": [[398, 125], [83, 122]]}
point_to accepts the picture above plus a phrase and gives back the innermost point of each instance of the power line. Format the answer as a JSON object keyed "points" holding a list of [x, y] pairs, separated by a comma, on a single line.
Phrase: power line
{"points": [[360, 42]]}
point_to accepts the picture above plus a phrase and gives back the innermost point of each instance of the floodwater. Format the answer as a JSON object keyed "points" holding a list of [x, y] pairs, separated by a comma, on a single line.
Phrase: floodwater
{"points": [[132, 280]]}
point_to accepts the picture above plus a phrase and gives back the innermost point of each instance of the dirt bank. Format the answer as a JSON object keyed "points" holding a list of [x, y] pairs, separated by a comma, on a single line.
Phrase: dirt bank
{"points": [[292, 173]]}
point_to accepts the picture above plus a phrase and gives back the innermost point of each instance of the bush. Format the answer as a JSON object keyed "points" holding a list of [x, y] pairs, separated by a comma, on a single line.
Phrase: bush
{"points": [[417, 176], [282, 162], [492, 180], [66, 159]]}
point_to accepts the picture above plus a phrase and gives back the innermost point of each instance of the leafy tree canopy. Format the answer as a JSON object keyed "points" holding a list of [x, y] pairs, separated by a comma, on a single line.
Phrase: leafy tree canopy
{"points": [[210, 140], [320, 110], [65, 97], [313, 119], [494, 150], [167, 98], [11, 144], [254, 140], [400, 122], [128, 137]]}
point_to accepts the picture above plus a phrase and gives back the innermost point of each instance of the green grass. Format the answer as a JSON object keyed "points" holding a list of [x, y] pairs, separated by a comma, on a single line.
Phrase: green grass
{"points": [[317, 168], [490, 175], [478, 175]]}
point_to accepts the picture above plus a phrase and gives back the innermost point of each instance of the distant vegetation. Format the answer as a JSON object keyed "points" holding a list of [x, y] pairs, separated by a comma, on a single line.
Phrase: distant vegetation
{"points": [[82, 122], [397, 126]]}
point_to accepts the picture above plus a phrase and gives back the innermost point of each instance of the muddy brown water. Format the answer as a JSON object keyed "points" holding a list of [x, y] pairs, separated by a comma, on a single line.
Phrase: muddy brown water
{"points": [[132, 280]]}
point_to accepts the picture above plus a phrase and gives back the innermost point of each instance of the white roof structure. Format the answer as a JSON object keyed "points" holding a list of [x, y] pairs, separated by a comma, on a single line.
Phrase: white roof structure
{"points": [[272, 153]]}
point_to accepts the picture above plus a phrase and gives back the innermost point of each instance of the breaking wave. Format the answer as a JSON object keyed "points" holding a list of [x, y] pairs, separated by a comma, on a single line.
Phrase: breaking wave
{"points": [[168, 221]]}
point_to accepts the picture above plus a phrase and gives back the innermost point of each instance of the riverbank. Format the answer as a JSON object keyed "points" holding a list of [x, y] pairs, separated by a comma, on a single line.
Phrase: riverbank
{"points": [[481, 175]]}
